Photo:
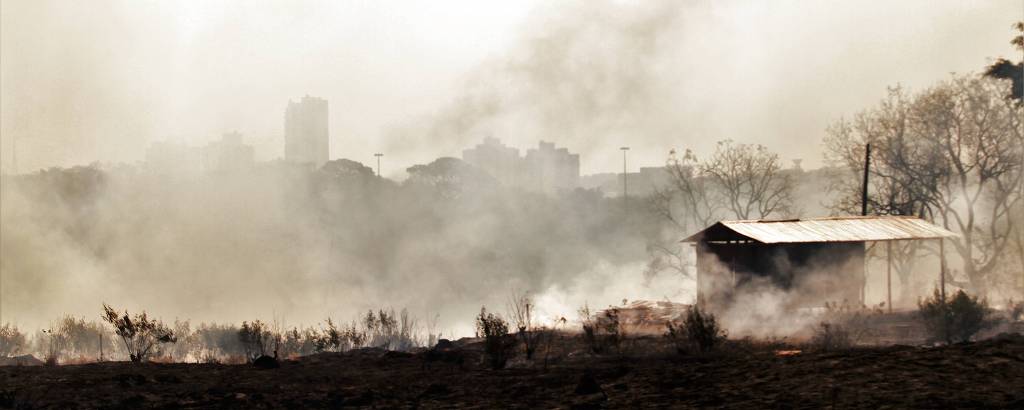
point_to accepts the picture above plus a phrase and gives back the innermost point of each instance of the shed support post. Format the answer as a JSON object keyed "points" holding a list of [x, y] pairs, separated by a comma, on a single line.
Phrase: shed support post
{"points": [[888, 274], [942, 269]]}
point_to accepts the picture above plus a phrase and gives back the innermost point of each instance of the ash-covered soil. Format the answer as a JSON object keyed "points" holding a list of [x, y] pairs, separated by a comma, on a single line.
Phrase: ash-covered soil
{"points": [[987, 374]]}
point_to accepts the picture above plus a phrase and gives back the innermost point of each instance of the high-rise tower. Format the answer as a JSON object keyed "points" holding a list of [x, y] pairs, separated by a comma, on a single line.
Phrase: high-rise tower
{"points": [[305, 131]]}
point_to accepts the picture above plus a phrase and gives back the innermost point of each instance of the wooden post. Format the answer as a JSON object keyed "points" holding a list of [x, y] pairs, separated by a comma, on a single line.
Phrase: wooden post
{"points": [[864, 186], [888, 273], [942, 269]]}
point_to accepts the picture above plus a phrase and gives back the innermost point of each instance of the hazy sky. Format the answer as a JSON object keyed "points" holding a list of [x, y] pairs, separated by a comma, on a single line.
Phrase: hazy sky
{"points": [[101, 80]]}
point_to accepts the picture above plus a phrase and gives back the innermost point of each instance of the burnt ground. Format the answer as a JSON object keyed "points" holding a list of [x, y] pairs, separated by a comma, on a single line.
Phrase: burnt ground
{"points": [[987, 374]]}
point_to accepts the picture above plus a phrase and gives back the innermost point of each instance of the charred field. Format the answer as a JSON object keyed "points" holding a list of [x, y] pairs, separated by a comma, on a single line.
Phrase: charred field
{"points": [[742, 374]]}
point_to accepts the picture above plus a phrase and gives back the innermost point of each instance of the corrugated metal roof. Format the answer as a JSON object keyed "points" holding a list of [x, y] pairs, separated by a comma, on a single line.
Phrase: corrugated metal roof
{"points": [[832, 229]]}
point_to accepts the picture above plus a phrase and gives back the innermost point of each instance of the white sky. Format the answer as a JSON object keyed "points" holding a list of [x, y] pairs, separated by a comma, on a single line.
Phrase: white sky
{"points": [[101, 80]]}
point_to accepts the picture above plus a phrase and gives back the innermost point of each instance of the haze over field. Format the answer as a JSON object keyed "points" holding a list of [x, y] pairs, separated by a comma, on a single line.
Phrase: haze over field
{"points": [[88, 81], [85, 82]]}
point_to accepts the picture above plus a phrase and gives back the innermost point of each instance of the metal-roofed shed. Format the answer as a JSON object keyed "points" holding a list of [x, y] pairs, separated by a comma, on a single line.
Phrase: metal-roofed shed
{"points": [[822, 259], [831, 229]]}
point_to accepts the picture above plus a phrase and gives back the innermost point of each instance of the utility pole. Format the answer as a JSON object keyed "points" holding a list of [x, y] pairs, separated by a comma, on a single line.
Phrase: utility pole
{"points": [[864, 187], [864, 212], [625, 193], [378, 155]]}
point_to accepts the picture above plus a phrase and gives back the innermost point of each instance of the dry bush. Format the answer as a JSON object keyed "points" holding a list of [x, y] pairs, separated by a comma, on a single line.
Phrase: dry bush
{"points": [[698, 331], [297, 342], [498, 345], [79, 339], [390, 331], [218, 342], [548, 336], [955, 319], [844, 325], [11, 340], [1015, 309], [602, 332], [521, 309], [831, 337], [139, 333], [255, 339], [186, 346], [433, 335]]}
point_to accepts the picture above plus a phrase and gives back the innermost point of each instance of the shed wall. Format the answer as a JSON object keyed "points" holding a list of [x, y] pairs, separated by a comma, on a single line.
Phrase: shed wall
{"points": [[809, 273]]}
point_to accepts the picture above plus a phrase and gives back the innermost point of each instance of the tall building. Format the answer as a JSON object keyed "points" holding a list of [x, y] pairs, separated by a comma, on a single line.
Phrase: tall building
{"points": [[551, 169], [305, 131], [228, 155], [499, 160]]}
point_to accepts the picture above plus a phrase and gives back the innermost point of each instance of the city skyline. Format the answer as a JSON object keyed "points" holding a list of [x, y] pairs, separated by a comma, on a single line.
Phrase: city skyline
{"points": [[190, 76]]}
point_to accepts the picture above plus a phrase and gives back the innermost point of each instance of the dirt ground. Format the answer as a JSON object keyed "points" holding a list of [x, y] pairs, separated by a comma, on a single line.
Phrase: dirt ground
{"points": [[987, 374]]}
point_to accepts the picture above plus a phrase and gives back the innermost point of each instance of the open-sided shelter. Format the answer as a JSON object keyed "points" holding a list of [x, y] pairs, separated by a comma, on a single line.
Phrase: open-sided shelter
{"points": [[821, 259]]}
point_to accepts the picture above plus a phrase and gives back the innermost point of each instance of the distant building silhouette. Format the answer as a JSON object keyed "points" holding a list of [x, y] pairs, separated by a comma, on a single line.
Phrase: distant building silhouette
{"points": [[305, 131], [551, 169], [640, 183], [545, 168], [499, 160], [174, 158], [229, 154]]}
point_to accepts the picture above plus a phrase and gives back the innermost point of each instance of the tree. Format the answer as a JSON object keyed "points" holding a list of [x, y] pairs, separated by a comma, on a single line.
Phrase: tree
{"points": [[738, 181], [450, 177], [748, 179], [521, 309], [1007, 70], [892, 191], [950, 154], [497, 343], [11, 340], [139, 333], [254, 338]]}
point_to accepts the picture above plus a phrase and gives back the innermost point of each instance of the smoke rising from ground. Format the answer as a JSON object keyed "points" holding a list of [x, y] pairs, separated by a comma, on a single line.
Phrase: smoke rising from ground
{"points": [[288, 243], [301, 245]]}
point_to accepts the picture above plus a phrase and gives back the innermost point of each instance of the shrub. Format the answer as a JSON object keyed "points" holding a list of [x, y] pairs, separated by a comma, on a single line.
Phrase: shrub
{"points": [[1015, 309], [139, 333], [254, 338], [955, 319], [522, 310], [55, 343], [831, 337], [603, 331], [497, 343], [11, 340], [699, 330], [845, 324], [548, 336], [218, 342]]}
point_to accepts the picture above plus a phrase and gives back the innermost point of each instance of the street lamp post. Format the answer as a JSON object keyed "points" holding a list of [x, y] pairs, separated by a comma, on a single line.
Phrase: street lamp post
{"points": [[378, 155]]}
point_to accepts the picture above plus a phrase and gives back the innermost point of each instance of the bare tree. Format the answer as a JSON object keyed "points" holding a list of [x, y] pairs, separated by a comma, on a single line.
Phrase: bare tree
{"points": [[894, 189], [139, 333], [521, 310], [951, 154], [747, 179]]}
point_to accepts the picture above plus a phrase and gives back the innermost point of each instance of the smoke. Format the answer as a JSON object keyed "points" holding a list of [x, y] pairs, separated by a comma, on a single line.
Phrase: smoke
{"points": [[286, 242], [589, 75], [99, 81], [80, 85]]}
